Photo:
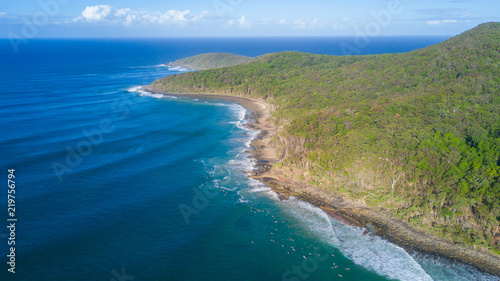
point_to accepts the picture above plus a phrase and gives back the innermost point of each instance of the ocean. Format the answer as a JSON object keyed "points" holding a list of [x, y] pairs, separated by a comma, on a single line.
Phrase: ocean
{"points": [[114, 183]]}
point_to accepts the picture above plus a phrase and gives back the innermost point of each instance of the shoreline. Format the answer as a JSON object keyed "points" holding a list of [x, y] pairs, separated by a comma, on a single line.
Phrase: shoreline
{"points": [[339, 208]]}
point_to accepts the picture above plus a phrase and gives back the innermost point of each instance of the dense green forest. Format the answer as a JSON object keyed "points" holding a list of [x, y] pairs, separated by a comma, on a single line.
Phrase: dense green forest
{"points": [[414, 133], [211, 61]]}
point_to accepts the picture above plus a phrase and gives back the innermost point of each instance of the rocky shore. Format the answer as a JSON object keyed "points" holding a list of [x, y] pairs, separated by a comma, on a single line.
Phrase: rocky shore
{"points": [[347, 211], [356, 213]]}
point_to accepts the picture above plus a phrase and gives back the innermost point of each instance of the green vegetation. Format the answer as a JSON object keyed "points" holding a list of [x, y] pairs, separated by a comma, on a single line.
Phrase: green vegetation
{"points": [[415, 133], [211, 61]]}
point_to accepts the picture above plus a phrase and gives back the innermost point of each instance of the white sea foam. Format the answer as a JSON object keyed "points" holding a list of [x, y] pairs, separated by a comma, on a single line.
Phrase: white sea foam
{"points": [[243, 161], [134, 89], [235, 179], [379, 255], [253, 135], [178, 68], [217, 104], [148, 66], [241, 200], [311, 218], [273, 194], [442, 269], [367, 250], [244, 165], [259, 189], [141, 92], [239, 110], [111, 93], [156, 96], [164, 65], [242, 124], [253, 183]]}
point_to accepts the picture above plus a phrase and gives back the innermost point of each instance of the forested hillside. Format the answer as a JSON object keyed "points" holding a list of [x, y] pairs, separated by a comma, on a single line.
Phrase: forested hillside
{"points": [[416, 133], [211, 60]]}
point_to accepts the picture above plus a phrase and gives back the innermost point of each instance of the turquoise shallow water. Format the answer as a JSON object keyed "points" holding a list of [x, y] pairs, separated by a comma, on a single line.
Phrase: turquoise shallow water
{"points": [[115, 184]]}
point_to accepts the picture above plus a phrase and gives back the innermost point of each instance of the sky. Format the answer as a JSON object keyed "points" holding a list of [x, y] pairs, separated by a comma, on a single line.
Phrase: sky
{"points": [[29, 19]]}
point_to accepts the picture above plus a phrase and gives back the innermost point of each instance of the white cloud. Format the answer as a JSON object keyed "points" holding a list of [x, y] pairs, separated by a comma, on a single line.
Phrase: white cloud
{"points": [[300, 24], [244, 23], [436, 22], [96, 13], [126, 16], [241, 22], [200, 16], [306, 24], [433, 22], [129, 19], [3, 14], [314, 23], [175, 16], [267, 22], [122, 12]]}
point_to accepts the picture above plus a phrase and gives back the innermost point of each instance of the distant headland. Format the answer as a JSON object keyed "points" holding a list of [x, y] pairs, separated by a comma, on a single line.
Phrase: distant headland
{"points": [[211, 61]]}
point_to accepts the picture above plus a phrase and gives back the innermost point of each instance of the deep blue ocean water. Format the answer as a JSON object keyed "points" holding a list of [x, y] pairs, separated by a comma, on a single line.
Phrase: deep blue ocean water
{"points": [[115, 184]]}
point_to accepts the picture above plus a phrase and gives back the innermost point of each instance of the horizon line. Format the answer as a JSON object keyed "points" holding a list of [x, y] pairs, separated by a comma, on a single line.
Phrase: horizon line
{"points": [[231, 37]]}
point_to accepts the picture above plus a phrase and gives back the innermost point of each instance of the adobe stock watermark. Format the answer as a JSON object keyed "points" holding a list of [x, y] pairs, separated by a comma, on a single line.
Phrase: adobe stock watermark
{"points": [[222, 7], [372, 28], [200, 201], [31, 27], [308, 266], [121, 276]]}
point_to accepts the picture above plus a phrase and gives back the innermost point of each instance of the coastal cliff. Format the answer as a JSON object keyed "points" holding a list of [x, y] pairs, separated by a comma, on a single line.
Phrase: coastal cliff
{"points": [[407, 145]]}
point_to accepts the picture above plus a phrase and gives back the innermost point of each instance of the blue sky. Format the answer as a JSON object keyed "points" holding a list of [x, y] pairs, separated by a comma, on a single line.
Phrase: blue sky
{"points": [[192, 18]]}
